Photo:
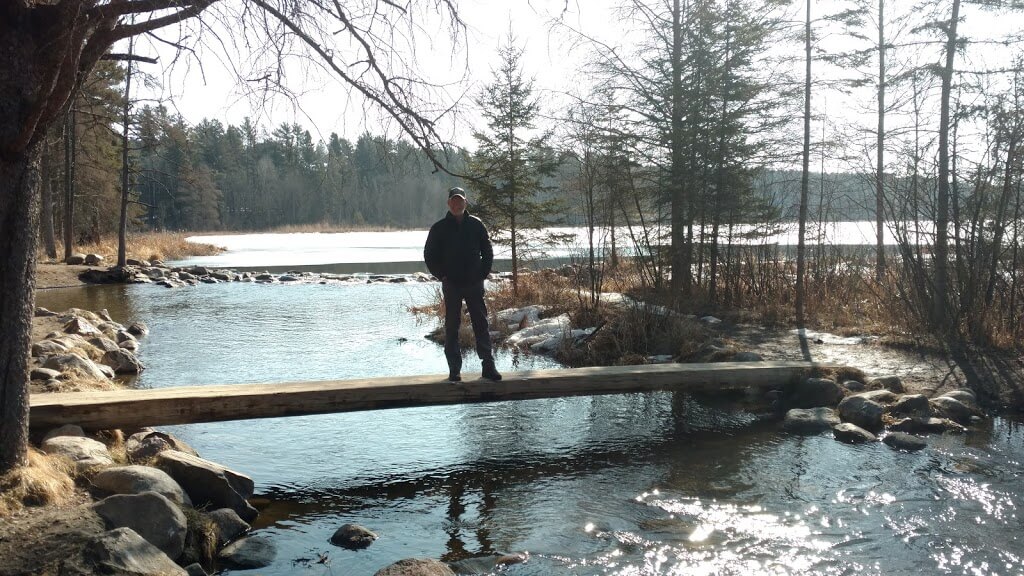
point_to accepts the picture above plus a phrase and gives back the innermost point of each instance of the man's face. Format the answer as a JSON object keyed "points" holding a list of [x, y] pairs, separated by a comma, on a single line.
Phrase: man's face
{"points": [[457, 205]]}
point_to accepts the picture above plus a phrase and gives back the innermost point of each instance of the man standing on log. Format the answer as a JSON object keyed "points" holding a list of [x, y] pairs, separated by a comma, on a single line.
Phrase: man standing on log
{"points": [[458, 253]]}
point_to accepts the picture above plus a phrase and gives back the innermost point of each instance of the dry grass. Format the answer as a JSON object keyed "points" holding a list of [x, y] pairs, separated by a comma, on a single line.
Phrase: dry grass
{"points": [[45, 480], [321, 228], [200, 539], [147, 246], [77, 383]]}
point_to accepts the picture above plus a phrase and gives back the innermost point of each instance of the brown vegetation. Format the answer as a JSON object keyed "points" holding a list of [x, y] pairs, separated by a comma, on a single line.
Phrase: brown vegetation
{"points": [[147, 246], [46, 480]]}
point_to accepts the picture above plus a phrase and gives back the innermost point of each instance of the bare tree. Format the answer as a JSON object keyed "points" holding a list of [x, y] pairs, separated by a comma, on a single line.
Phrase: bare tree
{"points": [[46, 48]]}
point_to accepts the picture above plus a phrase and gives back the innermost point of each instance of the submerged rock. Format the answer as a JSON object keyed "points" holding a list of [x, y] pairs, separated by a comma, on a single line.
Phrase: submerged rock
{"points": [[904, 441], [852, 433], [248, 553], [416, 567], [353, 537]]}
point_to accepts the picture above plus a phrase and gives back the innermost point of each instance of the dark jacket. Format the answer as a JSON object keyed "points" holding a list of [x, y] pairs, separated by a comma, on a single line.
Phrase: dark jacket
{"points": [[458, 252]]}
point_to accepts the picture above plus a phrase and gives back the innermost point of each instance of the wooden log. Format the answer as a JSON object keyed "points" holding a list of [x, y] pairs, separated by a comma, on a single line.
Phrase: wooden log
{"points": [[192, 404]]}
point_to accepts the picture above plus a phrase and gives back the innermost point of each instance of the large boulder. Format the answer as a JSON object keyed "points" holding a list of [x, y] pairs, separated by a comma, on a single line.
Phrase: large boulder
{"points": [[150, 515], [353, 537], [815, 392], [249, 553], [76, 259], [104, 344], [139, 479], [138, 329], [85, 453], [74, 364], [208, 483], [123, 361], [862, 412], [93, 259], [810, 420], [416, 567], [125, 553]]}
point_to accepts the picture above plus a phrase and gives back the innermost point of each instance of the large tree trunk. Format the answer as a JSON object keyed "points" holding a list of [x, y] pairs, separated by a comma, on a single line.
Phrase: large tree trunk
{"points": [[19, 218], [122, 226]]}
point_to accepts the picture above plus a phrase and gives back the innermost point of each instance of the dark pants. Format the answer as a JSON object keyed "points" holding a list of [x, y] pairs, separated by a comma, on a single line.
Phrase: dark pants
{"points": [[473, 294]]}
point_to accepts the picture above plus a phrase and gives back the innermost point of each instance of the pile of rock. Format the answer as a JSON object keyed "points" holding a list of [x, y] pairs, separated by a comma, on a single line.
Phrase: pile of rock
{"points": [[157, 506], [89, 346], [857, 411], [156, 272]]}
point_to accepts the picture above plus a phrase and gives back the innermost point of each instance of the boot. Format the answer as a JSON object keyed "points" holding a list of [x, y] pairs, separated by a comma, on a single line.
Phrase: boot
{"points": [[489, 371]]}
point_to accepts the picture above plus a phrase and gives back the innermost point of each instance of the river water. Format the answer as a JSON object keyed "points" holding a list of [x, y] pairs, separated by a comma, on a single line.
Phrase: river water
{"points": [[640, 484]]}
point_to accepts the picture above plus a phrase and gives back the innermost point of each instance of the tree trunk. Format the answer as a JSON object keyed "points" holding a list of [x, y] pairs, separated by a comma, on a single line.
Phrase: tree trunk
{"points": [[801, 247], [19, 211], [880, 150], [940, 299], [46, 210], [680, 248], [122, 228], [69, 181]]}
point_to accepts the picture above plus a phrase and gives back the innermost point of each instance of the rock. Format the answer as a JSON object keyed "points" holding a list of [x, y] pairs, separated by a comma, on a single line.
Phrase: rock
{"points": [[108, 372], [747, 357], [48, 348], [208, 483], [353, 537], [522, 317], [155, 273], [148, 443], [65, 430], [150, 515], [195, 569], [248, 553], [186, 276], [710, 320], [134, 262], [514, 558], [862, 412], [138, 329], [130, 345], [952, 409], [43, 374], [815, 392], [139, 479], [810, 421], [86, 453], [904, 441], [879, 396], [74, 364], [104, 344], [416, 567], [927, 426], [222, 276], [264, 277], [125, 336], [912, 404], [125, 553], [43, 312], [852, 433], [227, 524], [110, 327], [890, 383], [854, 385], [93, 259], [963, 395], [199, 270], [105, 314], [288, 278], [81, 326], [123, 361], [76, 259]]}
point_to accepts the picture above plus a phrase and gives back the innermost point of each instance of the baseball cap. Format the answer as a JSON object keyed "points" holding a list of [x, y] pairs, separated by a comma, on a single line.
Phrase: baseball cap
{"points": [[457, 192]]}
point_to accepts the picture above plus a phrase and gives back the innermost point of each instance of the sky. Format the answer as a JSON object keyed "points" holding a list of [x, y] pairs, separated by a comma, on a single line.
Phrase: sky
{"points": [[205, 86]]}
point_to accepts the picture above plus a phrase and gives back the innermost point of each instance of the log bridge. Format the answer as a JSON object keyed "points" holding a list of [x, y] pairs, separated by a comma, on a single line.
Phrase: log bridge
{"points": [[193, 404]]}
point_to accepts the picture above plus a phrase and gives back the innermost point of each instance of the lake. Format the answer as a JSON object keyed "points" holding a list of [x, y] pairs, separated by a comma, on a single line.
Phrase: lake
{"points": [[638, 484]]}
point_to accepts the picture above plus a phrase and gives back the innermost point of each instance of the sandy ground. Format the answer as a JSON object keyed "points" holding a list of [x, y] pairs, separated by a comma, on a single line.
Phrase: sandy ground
{"points": [[59, 275]]}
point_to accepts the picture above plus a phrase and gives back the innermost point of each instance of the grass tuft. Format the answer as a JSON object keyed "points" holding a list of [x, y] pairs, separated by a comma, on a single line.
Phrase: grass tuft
{"points": [[45, 480]]}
